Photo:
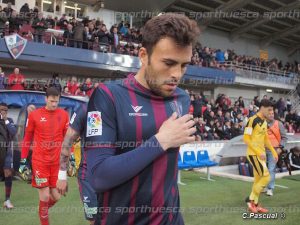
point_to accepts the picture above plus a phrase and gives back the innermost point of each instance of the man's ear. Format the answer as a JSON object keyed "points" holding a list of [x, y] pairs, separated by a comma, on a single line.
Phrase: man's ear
{"points": [[143, 55]]}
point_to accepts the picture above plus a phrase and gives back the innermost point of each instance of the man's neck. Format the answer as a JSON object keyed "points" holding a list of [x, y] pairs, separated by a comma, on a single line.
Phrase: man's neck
{"points": [[140, 78], [261, 115]]}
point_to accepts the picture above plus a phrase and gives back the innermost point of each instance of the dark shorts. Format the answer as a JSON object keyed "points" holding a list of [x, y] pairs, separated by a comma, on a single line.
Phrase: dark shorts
{"points": [[9, 162]]}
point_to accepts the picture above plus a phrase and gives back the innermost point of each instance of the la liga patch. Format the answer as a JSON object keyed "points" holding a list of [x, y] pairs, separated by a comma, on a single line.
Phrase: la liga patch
{"points": [[94, 124]]}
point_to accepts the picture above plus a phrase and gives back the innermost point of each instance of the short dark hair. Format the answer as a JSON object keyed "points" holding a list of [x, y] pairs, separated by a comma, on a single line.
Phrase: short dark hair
{"points": [[52, 91], [3, 104], [176, 26], [265, 103]]}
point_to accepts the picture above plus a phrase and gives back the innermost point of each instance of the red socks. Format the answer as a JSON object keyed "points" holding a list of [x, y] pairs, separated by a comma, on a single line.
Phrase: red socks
{"points": [[43, 213], [51, 203]]}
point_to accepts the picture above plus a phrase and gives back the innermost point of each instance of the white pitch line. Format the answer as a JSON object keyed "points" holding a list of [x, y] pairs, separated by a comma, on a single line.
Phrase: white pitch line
{"points": [[281, 186]]}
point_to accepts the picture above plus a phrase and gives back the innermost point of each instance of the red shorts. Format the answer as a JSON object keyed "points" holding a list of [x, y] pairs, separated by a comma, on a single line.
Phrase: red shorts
{"points": [[44, 175]]}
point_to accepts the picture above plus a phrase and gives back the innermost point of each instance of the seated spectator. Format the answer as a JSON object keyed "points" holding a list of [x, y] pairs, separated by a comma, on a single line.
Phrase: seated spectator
{"points": [[294, 158], [16, 80], [2, 79], [87, 88], [66, 91], [235, 130], [227, 130], [73, 85]]}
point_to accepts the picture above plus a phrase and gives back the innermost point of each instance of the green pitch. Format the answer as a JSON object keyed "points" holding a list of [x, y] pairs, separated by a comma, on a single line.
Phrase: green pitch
{"points": [[203, 202]]}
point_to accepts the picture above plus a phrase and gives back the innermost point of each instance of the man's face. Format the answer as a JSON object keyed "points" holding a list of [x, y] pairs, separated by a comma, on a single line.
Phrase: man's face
{"points": [[166, 66], [266, 111], [271, 116], [3, 112], [52, 102], [16, 71]]}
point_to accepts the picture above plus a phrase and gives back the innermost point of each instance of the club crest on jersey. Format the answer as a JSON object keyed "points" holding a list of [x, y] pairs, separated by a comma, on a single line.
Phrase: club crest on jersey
{"points": [[176, 107], [94, 124], [43, 119], [137, 110], [15, 44]]}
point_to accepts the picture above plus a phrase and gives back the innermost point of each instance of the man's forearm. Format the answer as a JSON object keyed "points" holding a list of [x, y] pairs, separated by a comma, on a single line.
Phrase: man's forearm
{"points": [[69, 139]]}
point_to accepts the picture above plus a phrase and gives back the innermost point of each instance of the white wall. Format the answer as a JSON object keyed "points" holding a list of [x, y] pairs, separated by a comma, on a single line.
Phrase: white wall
{"points": [[108, 16], [19, 4], [242, 46]]}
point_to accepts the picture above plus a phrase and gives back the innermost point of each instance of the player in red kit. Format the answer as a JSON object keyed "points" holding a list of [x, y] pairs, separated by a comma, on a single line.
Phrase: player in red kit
{"points": [[45, 129]]}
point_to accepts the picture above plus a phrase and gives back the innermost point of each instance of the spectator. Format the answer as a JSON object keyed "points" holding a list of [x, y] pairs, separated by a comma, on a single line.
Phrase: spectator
{"points": [[235, 130], [66, 91], [281, 107], [241, 102], [54, 82], [2, 79], [63, 22], [256, 101], [220, 56], [16, 80], [40, 25], [88, 87], [104, 38], [73, 85], [288, 105], [8, 10], [115, 40], [14, 23], [79, 35], [25, 9], [50, 22], [69, 36], [227, 130]]}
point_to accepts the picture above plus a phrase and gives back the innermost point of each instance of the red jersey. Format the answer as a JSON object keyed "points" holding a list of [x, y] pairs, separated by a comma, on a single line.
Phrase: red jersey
{"points": [[46, 129], [72, 87], [16, 81]]}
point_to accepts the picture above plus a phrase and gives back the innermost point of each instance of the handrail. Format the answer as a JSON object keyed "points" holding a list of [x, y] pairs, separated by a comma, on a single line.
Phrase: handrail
{"points": [[234, 65]]}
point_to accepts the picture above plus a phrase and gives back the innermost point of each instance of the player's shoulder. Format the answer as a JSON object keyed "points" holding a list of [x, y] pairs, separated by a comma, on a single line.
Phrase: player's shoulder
{"points": [[181, 93], [61, 111]]}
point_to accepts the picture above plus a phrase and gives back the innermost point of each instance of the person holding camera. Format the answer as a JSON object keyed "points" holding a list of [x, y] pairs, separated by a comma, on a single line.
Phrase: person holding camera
{"points": [[7, 131]]}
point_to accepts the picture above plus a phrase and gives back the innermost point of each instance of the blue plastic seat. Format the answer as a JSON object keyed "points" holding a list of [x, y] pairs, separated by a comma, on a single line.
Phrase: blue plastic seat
{"points": [[182, 165], [202, 157], [190, 159]]}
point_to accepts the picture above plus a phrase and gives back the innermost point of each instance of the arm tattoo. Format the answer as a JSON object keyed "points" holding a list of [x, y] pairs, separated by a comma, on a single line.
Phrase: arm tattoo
{"points": [[69, 139]]}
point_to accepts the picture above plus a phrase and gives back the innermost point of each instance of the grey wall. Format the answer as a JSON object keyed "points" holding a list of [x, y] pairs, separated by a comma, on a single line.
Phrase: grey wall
{"points": [[242, 46]]}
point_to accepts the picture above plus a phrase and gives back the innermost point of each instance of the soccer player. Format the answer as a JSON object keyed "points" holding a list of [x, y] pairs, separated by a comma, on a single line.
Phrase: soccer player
{"points": [[7, 131], [87, 193], [135, 127], [46, 127], [256, 137], [278, 139]]}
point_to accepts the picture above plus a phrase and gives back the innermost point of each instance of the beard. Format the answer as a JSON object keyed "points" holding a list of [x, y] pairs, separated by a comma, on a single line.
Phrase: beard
{"points": [[155, 83]]}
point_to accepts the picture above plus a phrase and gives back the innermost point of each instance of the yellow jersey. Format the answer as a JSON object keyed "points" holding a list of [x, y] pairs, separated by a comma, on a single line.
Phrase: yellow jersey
{"points": [[256, 136]]}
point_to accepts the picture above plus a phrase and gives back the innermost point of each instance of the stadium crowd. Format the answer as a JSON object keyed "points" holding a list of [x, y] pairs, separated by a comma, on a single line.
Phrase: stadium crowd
{"points": [[223, 119], [120, 38], [219, 119]]}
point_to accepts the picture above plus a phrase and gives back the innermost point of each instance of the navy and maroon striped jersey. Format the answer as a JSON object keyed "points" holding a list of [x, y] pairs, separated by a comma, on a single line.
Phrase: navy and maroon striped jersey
{"points": [[78, 122], [125, 160]]}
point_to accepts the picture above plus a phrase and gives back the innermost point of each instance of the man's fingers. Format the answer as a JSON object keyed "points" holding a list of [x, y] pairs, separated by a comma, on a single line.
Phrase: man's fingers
{"points": [[190, 123], [185, 118], [192, 131]]}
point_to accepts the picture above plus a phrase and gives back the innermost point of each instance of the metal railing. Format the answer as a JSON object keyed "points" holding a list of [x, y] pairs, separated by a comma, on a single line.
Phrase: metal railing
{"points": [[260, 73]]}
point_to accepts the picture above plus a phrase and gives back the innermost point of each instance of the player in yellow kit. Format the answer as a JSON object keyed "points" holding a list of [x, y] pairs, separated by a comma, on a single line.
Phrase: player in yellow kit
{"points": [[256, 138]]}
